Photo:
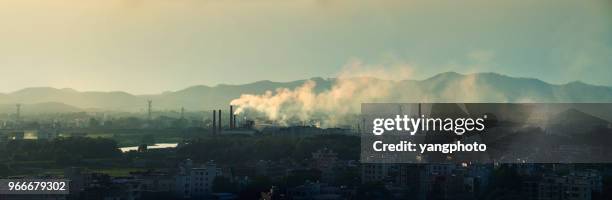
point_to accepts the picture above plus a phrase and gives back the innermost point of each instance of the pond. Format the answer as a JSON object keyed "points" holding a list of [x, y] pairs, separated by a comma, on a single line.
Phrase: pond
{"points": [[155, 146]]}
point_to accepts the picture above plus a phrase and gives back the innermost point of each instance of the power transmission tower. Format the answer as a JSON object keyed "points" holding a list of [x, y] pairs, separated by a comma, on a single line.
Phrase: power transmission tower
{"points": [[18, 113], [149, 109]]}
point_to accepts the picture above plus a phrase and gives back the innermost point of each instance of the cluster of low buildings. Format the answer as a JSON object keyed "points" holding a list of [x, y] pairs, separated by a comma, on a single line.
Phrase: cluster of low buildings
{"points": [[40, 134], [573, 186], [188, 181], [463, 181], [400, 181], [424, 181]]}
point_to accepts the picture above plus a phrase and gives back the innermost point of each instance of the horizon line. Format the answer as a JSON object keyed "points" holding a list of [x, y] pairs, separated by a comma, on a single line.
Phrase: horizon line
{"points": [[311, 78]]}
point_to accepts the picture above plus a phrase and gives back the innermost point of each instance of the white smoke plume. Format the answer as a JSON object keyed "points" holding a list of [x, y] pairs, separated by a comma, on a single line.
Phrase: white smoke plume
{"points": [[355, 84]]}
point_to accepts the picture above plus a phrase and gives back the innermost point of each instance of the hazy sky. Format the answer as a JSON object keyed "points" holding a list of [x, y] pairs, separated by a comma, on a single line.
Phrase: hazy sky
{"points": [[150, 46]]}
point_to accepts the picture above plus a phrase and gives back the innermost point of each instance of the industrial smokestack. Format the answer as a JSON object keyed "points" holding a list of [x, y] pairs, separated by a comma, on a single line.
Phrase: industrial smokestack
{"points": [[231, 115], [149, 109], [234, 120], [214, 123], [219, 121], [363, 124]]}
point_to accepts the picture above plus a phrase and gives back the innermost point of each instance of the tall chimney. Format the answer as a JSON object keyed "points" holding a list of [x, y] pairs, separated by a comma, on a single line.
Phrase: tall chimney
{"points": [[234, 119], [214, 123], [231, 115], [364, 124], [219, 124]]}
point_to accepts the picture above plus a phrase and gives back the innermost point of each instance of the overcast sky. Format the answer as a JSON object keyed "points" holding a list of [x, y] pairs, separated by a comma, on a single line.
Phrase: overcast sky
{"points": [[151, 46]]}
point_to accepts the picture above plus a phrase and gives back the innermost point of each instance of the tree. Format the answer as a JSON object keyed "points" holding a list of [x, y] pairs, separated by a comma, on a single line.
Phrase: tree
{"points": [[223, 184], [148, 139], [374, 190]]}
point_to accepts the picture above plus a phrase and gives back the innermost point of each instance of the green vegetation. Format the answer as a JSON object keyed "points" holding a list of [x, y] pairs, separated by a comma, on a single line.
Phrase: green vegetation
{"points": [[121, 171], [99, 152], [241, 149], [61, 149], [24, 157], [125, 139]]}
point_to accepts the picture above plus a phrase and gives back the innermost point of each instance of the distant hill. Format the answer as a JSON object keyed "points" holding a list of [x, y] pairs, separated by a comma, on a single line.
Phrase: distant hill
{"points": [[47, 107], [575, 117], [444, 87]]}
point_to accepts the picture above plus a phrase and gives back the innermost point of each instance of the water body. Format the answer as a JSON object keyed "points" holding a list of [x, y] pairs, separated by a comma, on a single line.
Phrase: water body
{"points": [[155, 146]]}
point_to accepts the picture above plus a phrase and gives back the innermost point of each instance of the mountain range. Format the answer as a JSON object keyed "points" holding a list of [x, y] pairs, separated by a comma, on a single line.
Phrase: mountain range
{"points": [[443, 87]]}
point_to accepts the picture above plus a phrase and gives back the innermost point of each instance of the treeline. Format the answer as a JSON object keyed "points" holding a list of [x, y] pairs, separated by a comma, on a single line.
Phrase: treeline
{"points": [[240, 149], [60, 149]]}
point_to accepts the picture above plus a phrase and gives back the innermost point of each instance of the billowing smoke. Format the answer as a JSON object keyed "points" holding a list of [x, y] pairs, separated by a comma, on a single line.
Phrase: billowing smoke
{"points": [[354, 85], [358, 84]]}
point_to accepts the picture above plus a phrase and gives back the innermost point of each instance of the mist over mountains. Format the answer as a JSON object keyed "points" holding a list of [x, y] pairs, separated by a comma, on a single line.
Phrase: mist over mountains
{"points": [[444, 87]]}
